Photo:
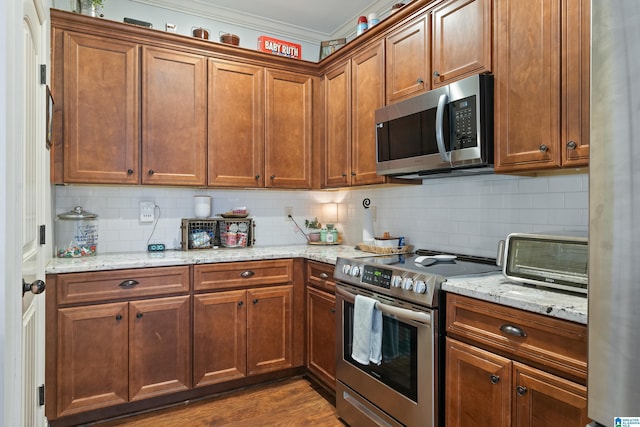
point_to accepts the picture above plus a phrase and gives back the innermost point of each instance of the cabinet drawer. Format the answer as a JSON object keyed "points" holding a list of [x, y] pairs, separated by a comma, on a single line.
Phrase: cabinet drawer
{"points": [[553, 344], [320, 275], [242, 274], [118, 284]]}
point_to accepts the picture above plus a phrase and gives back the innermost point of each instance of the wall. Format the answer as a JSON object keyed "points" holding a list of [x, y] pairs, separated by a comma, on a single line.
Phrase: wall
{"points": [[462, 215]]}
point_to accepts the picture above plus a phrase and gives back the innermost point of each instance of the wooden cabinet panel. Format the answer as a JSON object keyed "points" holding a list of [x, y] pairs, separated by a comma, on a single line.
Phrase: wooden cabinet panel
{"points": [[242, 274], [320, 275], [269, 329], [174, 107], [101, 126], [121, 284], [478, 387], [337, 86], [321, 335], [367, 95], [288, 129], [92, 359], [541, 88], [545, 400], [236, 124], [159, 346], [461, 40], [220, 337], [408, 64]]}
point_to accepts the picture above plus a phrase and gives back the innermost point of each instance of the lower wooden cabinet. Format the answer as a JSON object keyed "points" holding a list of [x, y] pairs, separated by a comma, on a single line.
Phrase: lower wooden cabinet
{"points": [[321, 323], [490, 377]]}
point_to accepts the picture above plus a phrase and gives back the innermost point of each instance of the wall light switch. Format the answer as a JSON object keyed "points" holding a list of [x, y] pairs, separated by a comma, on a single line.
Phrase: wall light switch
{"points": [[147, 211]]}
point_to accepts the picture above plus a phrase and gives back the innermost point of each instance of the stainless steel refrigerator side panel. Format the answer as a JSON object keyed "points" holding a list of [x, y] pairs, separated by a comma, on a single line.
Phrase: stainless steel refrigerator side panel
{"points": [[614, 213]]}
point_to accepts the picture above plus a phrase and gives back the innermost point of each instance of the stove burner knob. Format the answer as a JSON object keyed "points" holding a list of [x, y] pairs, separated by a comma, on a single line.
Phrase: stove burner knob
{"points": [[420, 287], [408, 284], [346, 269], [355, 271], [396, 281]]}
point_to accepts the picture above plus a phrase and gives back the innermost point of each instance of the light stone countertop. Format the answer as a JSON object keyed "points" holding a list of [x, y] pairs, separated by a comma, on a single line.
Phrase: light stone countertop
{"points": [[117, 261], [494, 287]]}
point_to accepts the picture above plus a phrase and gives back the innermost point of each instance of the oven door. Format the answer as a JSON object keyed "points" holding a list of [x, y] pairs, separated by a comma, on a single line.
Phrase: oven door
{"points": [[403, 385]]}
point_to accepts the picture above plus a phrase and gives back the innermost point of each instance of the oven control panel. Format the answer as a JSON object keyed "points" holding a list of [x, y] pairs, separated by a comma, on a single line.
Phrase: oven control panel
{"points": [[376, 276]]}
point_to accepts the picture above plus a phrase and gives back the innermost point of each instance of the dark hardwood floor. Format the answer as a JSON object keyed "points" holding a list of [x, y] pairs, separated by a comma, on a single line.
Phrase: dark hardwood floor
{"points": [[291, 402]]}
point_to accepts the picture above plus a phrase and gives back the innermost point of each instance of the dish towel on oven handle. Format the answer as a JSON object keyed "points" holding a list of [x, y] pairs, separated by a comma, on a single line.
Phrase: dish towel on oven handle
{"points": [[367, 331]]}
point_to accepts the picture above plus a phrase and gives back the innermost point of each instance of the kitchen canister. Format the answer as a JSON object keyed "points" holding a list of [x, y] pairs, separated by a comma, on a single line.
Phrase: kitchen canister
{"points": [[202, 206], [200, 33], [229, 38], [76, 234], [372, 19], [363, 25]]}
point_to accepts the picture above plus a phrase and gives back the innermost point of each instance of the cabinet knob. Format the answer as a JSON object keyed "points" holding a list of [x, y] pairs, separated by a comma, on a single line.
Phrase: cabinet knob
{"points": [[419, 80], [257, 177], [333, 310], [240, 303], [513, 330], [436, 74], [255, 301], [151, 172], [128, 284], [521, 390], [129, 171], [119, 317], [353, 173], [344, 174], [246, 274], [543, 148], [139, 315], [571, 145], [495, 379], [324, 275]]}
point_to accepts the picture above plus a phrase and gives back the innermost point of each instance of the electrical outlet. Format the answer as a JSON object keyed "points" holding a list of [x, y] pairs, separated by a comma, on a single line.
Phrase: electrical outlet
{"points": [[147, 211], [288, 211]]}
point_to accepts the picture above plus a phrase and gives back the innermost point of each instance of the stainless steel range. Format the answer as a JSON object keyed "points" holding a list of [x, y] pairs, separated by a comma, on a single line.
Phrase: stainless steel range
{"points": [[403, 389]]}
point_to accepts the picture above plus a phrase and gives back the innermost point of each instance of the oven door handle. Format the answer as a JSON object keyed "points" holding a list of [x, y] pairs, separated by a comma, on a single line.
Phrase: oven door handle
{"points": [[400, 313]]}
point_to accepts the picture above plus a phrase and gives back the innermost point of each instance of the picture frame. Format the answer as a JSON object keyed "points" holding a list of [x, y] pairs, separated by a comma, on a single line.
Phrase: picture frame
{"points": [[49, 119], [329, 46]]}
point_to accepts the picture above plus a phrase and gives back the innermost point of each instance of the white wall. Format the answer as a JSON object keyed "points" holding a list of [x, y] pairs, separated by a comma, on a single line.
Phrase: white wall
{"points": [[463, 215]]}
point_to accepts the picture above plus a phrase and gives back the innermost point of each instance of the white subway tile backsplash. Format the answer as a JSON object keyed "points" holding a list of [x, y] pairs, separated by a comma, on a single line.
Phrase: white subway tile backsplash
{"points": [[463, 214]]}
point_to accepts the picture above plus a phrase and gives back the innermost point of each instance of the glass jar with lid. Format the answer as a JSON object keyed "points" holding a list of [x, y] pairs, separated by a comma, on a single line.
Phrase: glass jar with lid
{"points": [[76, 234]]}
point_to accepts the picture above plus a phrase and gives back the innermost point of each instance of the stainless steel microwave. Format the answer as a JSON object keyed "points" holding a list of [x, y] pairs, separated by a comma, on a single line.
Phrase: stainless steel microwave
{"points": [[445, 130], [552, 261]]}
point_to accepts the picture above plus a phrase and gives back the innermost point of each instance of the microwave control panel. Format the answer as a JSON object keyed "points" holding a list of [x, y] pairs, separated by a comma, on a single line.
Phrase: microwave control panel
{"points": [[463, 112]]}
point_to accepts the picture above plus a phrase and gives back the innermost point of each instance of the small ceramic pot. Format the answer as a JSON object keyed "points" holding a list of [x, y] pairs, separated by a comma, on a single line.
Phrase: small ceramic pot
{"points": [[229, 38]]}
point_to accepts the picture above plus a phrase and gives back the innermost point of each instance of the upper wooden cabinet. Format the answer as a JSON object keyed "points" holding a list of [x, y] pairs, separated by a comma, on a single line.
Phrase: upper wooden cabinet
{"points": [[174, 127], [100, 87], [461, 40], [541, 84], [408, 65], [236, 124], [288, 129]]}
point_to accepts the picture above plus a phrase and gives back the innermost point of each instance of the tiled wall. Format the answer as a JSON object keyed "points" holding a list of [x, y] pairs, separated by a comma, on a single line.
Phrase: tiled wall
{"points": [[461, 215]]}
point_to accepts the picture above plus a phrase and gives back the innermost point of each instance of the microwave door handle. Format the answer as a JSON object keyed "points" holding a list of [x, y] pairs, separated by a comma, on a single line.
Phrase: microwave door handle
{"points": [[442, 104], [400, 313]]}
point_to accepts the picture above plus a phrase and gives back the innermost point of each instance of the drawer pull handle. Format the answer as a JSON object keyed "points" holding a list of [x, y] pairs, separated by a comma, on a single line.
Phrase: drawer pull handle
{"points": [[324, 275], [513, 330], [128, 284], [495, 379], [521, 390], [247, 273]]}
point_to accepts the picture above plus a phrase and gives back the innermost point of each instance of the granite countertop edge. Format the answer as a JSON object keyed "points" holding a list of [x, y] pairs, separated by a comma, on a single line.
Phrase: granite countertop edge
{"points": [[492, 287]]}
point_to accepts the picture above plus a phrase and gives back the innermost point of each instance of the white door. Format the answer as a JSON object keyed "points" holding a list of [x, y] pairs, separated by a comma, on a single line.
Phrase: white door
{"points": [[32, 192]]}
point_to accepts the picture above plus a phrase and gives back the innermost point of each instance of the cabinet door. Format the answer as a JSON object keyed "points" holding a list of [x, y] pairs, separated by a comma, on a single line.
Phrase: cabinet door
{"points": [[337, 87], [219, 337], [528, 82], [545, 400], [174, 117], [461, 37], [236, 125], [288, 128], [269, 329], [407, 62], [101, 126], [92, 356], [477, 387], [321, 335], [159, 346], [367, 95]]}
